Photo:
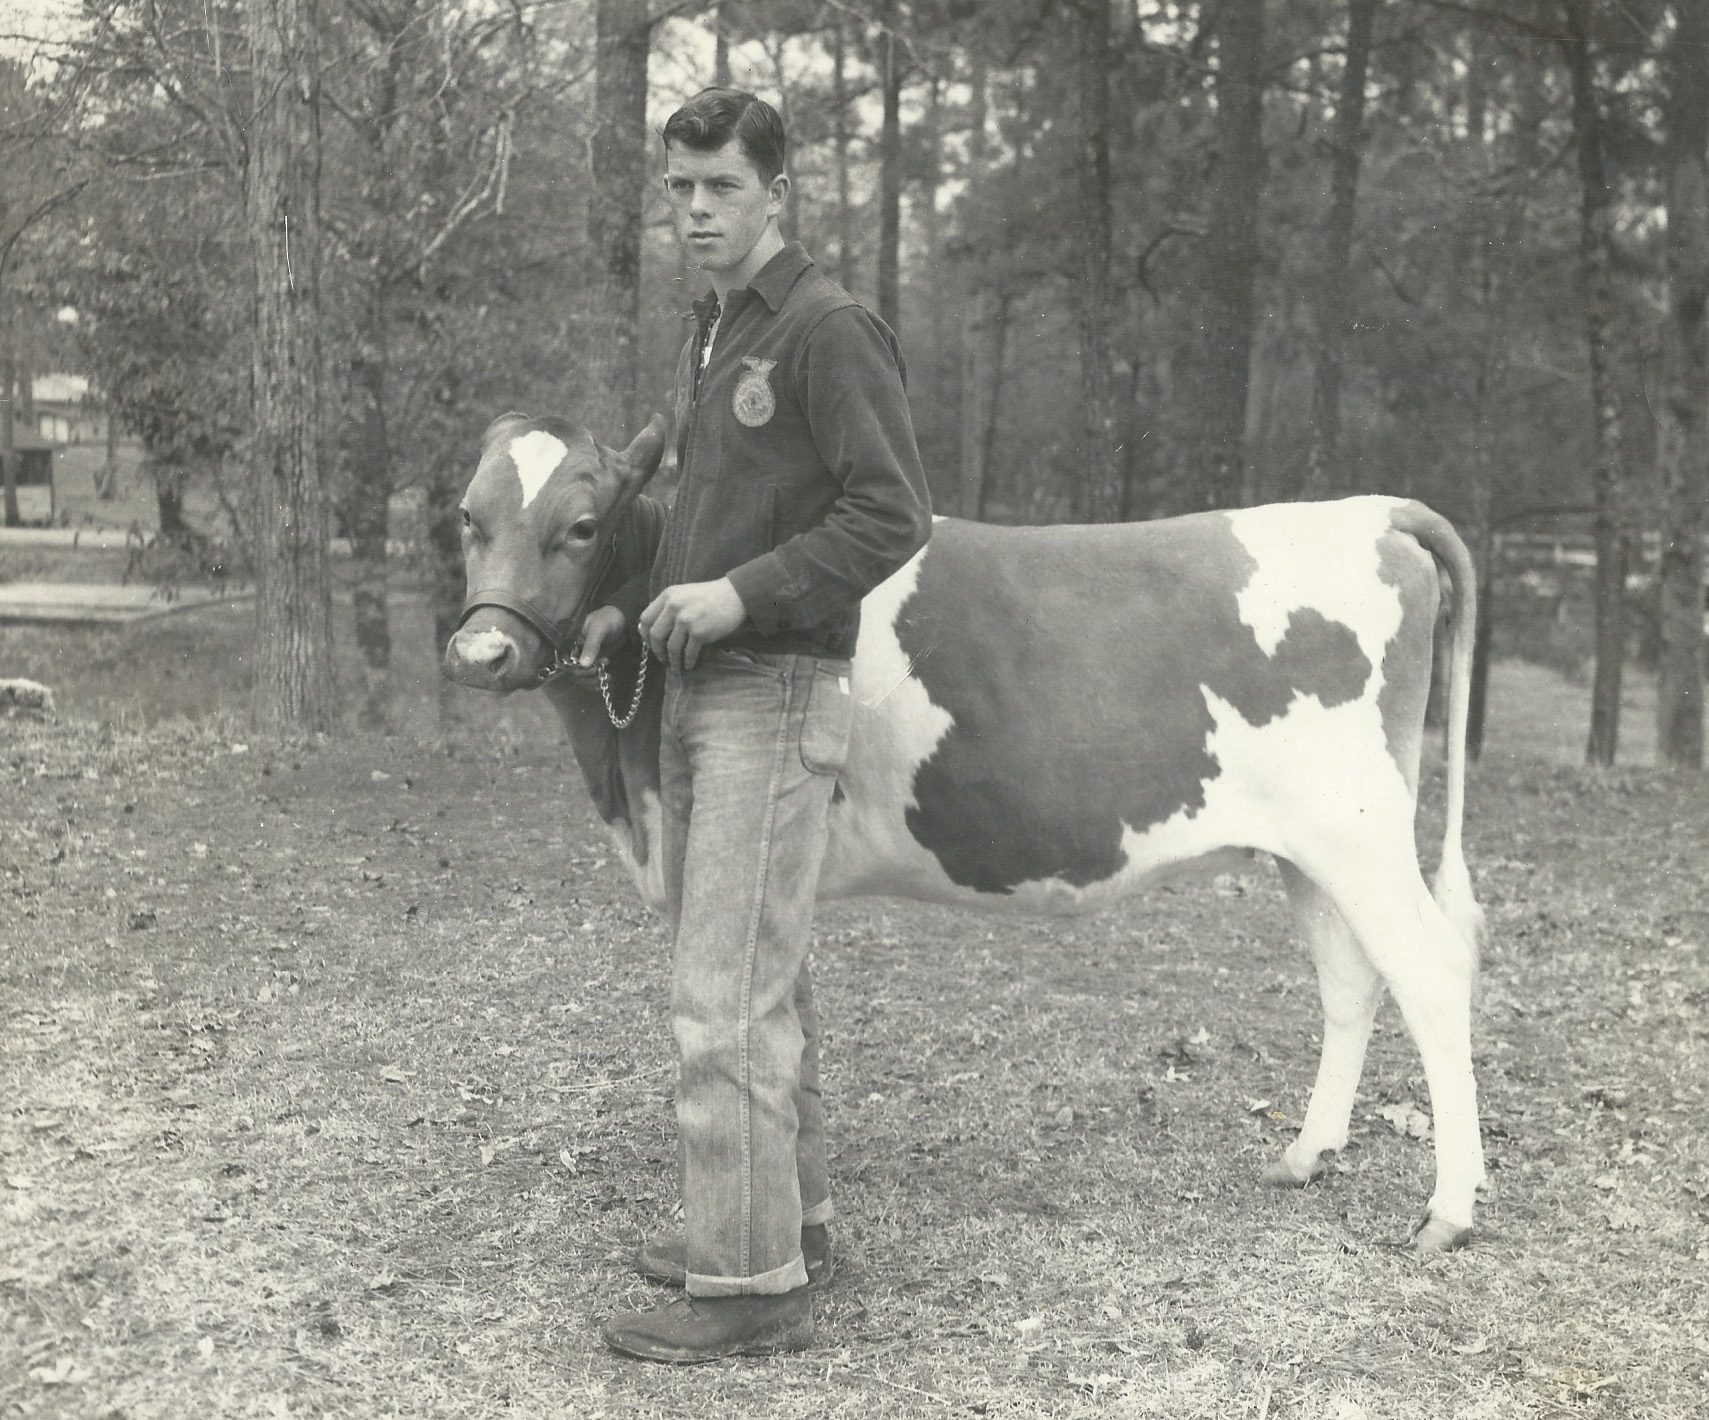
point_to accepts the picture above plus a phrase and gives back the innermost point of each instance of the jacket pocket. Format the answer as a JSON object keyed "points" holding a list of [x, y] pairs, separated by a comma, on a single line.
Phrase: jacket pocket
{"points": [[827, 717]]}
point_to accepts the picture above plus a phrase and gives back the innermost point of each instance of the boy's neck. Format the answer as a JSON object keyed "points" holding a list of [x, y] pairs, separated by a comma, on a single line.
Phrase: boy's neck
{"points": [[768, 246]]}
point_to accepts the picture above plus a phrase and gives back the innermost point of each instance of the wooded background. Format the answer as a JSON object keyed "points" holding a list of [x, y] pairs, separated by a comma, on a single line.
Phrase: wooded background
{"points": [[1144, 257]]}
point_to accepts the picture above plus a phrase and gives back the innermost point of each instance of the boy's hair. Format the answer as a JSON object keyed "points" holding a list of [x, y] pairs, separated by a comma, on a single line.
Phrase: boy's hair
{"points": [[713, 116]]}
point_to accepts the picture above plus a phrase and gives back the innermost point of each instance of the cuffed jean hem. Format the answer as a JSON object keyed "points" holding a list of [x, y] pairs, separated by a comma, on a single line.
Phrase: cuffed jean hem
{"points": [[787, 1278], [818, 1215]]}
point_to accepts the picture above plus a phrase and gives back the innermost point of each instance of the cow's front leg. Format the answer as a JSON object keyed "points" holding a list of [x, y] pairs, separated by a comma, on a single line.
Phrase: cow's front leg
{"points": [[1351, 991]]}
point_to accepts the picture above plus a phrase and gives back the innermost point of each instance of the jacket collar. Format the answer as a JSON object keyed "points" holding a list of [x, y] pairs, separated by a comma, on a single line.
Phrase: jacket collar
{"points": [[778, 276], [772, 283]]}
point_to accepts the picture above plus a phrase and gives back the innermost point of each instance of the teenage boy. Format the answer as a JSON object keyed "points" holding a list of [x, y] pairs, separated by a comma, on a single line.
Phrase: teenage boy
{"points": [[801, 490]]}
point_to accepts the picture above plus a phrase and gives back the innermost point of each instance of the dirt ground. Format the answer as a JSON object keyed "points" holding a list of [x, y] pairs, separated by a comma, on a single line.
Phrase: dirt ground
{"points": [[337, 1082]]}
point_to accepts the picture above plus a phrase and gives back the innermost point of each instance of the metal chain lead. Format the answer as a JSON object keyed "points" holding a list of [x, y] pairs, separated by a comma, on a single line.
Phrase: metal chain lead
{"points": [[635, 701]]}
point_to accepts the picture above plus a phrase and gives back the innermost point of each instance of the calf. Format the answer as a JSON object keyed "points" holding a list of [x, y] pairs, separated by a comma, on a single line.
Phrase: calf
{"points": [[1049, 719]]}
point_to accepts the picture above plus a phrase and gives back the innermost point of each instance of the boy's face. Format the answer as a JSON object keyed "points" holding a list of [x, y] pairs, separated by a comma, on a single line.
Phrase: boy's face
{"points": [[719, 203]]}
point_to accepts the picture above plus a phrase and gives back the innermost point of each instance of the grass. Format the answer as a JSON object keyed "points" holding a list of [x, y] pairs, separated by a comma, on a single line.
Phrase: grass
{"points": [[337, 1083]]}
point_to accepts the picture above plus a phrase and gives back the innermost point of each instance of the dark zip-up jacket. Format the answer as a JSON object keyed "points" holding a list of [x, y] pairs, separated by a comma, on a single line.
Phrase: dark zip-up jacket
{"points": [[800, 479]]}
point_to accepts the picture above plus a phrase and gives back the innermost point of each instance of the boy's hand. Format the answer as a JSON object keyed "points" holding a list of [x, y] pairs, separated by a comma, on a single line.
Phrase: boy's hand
{"points": [[603, 626], [684, 618]]}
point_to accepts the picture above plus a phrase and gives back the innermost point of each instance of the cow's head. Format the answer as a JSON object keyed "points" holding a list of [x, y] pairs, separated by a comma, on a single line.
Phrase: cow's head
{"points": [[538, 523]]}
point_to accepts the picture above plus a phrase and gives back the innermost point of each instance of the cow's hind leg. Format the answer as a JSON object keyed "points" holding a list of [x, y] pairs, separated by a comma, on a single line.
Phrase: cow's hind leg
{"points": [[1351, 991], [1428, 969]]}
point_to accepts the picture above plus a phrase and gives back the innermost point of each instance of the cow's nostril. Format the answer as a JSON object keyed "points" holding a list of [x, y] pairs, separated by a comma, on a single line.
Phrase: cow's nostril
{"points": [[490, 651]]}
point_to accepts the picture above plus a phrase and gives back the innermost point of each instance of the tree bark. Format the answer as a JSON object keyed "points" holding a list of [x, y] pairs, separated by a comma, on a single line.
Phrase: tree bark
{"points": [[293, 690], [1325, 470], [1095, 488], [1217, 462], [1613, 538], [619, 175], [890, 172], [1682, 445]]}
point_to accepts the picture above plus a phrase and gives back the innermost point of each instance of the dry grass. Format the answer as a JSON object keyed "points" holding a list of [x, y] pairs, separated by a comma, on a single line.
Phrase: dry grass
{"points": [[338, 1094]]}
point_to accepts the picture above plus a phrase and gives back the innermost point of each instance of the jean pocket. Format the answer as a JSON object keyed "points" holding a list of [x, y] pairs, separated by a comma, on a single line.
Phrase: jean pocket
{"points": [[827, 718], [731, 659]]}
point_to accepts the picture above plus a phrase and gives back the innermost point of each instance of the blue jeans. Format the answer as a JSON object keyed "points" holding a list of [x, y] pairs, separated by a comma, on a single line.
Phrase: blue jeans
{"points": [[748, 759]]}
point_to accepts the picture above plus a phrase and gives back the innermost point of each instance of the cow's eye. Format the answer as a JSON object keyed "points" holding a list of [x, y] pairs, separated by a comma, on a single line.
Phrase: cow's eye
{"points": [[584, 530], [469, 527]]}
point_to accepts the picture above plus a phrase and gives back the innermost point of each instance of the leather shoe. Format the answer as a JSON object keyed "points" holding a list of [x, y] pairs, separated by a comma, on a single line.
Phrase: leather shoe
{"points": [[687, 1331], [665, 1258]]}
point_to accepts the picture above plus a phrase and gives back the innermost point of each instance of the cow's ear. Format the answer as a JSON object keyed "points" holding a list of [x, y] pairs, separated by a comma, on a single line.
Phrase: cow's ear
{"points": [[644, 453], [499, 426]]}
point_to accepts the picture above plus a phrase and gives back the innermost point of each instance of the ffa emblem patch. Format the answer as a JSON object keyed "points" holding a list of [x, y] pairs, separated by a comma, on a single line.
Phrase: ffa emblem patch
{"points": [[754, 403]]}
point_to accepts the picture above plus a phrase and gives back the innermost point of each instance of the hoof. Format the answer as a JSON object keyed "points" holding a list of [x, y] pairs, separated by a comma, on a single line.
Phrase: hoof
{"points": [[1282, 1174], [1435, 1235]]}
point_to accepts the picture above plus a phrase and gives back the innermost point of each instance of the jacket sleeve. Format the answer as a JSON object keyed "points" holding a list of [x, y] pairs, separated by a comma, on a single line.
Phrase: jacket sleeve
{"points": [[850, 379]]}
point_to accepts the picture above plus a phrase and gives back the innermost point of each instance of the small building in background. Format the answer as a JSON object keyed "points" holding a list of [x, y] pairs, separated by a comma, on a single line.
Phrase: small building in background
{"points": [[37, 505], [64, 412]]}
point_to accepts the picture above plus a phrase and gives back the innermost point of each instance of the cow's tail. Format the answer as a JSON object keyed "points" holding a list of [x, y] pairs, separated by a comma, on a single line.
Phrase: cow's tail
{"points": [[1453, 886]]}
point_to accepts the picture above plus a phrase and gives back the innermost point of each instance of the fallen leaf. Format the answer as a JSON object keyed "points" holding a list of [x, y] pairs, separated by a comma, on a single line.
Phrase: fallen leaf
{"points": [[1407, 1120], [63, 1372], [1029, 1326], [206, 1347], [394, 1076]]}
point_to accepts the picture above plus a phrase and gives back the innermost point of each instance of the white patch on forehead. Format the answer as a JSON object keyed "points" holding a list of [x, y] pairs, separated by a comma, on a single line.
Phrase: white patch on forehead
{"points": [[1318, 557], [536, 456]]}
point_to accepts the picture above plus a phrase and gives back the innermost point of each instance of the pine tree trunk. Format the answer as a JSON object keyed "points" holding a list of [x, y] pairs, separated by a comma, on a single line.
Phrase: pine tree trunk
{"points": [[1325, 473], [1095, 488], [8, 441], [1613, 538], [840, 148], [1682, 446], [994, 407], [975, 339], [720, 50], [367, 515], [1217, 462], [890, 172], [616, 194], [107, 479], [293, 690]]}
